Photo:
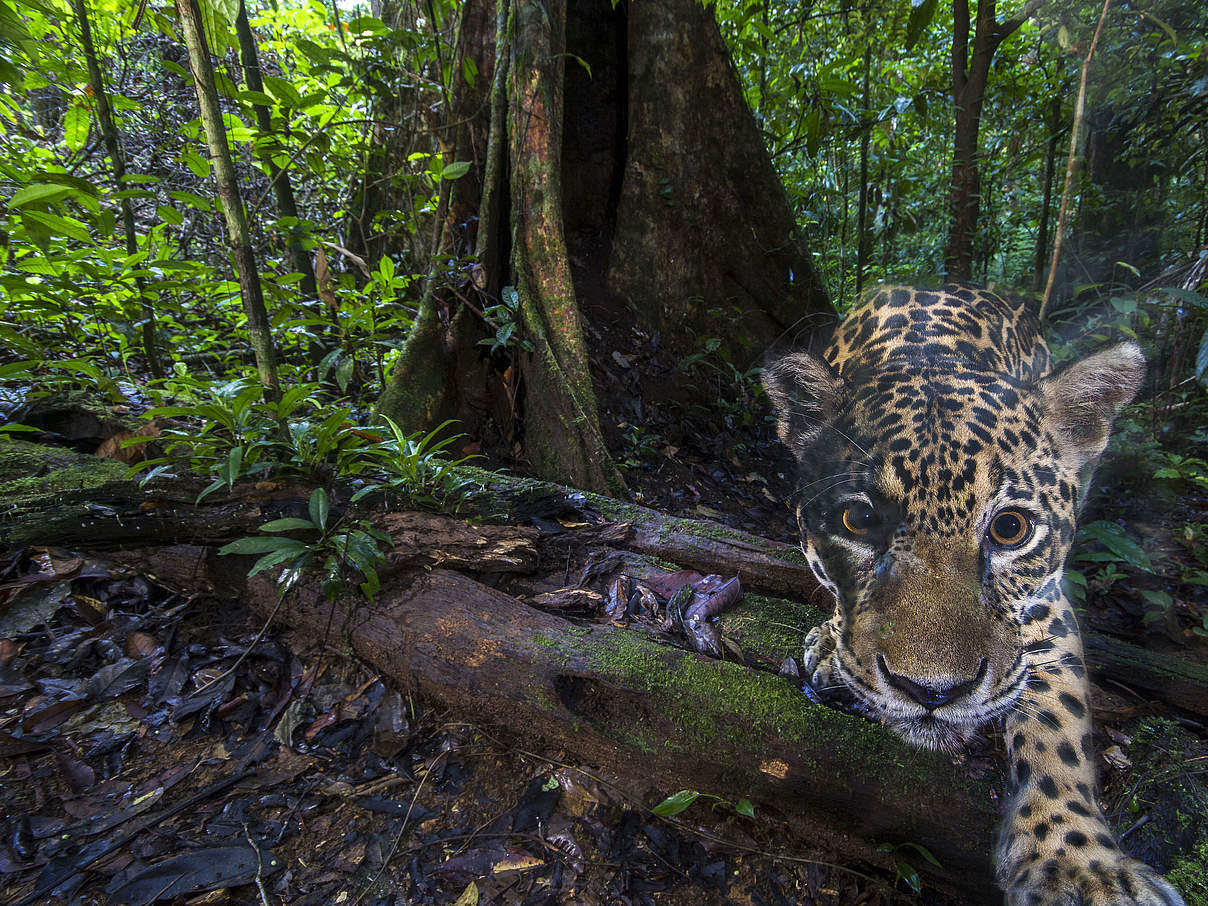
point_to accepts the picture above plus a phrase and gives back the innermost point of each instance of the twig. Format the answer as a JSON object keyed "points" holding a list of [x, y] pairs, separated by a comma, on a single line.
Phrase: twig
{"points": [[259, 879], [1071, 163]]}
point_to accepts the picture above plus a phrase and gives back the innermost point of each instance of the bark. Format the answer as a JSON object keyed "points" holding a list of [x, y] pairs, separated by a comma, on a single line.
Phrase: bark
{"points": [[432, 375], [104, 113], [567, 208], [229, 198], [705, 244], [863, 240], [1046, 204], [562, 425], [282, 186]]}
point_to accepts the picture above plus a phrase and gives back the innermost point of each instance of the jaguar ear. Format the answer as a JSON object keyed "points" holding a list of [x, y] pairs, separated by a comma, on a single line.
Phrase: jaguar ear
{"points": [[807, 394], [1081, 400]]}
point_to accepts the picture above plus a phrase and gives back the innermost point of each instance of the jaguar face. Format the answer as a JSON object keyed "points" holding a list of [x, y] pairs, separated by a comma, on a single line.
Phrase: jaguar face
{"points": [[934, 524], [940, 465]]}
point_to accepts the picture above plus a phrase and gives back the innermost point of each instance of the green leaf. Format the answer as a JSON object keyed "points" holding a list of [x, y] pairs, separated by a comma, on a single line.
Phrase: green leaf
{"points": [[675, 803], [170, 215], [289, 524], [921, 14], [195, 162], [924, 852], [271, 559], [60, 226], [745, 808], [455, 170], [1159, 599], [344, 372], [282, 90], [319, 507], [39, 192], [77, 123], [262, 545], [1201, 360], [1123, 547]]}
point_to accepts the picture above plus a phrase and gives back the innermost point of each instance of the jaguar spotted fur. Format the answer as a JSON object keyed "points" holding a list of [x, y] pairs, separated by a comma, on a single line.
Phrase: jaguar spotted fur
{"points": [[941, 462]]}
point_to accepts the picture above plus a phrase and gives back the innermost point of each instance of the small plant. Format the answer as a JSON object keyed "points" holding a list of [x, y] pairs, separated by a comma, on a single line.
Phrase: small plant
{"points": [[337, 552], [903, 870], [504, 318], [678, 802], [416, 466], [243, 436]]}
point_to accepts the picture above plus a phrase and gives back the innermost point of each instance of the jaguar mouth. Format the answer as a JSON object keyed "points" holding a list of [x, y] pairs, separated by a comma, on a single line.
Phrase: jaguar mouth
{"points": [[928, 731], [946, 729]]}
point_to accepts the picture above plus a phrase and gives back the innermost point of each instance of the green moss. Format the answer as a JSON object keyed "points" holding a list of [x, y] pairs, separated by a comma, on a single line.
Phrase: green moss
{"points": [[29, 471], [771, 629], [697, 689], [1190, 876], [1164, 786]]}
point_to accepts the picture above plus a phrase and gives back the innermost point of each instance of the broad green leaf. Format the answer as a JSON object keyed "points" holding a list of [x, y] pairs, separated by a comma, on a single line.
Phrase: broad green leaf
{"points": [[1118, 543], [921, 14], [288, 524], [77, 122], [256, 97], [344, 372], [169, 214], [282, 90], [60, 226], [455, 170], [262, 545], [675, 803], [195, 162], [1201, 360], [319, 506], [271, 559], [39, 192], [745, 808]]}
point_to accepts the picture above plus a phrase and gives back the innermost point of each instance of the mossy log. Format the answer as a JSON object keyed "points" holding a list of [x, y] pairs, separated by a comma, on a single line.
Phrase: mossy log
{"points": [[54, 496]]}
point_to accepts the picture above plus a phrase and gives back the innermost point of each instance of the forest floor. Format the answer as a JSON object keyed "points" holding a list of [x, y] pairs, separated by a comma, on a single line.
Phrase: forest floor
{"points": [[300, 777]]}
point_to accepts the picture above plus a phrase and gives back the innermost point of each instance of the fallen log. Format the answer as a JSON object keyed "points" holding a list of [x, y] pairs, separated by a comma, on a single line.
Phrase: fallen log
{"points": [[77, 500]]}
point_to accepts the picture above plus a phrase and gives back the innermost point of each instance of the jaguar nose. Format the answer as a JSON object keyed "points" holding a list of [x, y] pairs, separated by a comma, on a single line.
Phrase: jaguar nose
{"points": [[929, 694]]}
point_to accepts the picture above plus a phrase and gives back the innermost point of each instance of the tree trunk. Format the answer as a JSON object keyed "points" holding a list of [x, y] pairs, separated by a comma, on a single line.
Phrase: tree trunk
{"points": [[600, 196], [1046, 204], [969, 77], [704, 243], [282, 186], [561, 423], [104, 114], [229, 198], [863, 241]]}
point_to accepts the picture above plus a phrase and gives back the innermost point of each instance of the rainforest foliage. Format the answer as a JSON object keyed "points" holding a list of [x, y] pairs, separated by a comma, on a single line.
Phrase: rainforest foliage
{"points": [[915, 140]]}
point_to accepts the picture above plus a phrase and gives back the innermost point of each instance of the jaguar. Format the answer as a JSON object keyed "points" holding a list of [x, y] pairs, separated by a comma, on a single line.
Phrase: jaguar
{"points": [[942, 461]]}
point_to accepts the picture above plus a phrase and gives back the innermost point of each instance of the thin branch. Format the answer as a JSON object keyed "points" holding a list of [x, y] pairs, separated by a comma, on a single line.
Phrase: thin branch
{"points": [[1071, 163]]}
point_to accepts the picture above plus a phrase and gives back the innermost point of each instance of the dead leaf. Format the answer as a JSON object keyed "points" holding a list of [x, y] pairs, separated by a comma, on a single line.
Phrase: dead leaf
{"points": [[516, 859], [193, 871], [469, 896], [115, 447]]}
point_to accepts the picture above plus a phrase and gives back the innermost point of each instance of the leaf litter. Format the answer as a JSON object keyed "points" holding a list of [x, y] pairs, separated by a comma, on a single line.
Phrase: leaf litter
{"points": [[140, 768]]}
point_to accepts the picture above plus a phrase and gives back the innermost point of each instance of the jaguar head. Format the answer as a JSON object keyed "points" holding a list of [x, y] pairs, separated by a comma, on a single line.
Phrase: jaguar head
{"points": [[937, 504]]}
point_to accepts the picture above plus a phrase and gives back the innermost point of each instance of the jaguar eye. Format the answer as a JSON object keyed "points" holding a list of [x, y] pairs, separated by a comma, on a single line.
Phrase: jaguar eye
{"points": [[860, 518], [1010, 528]]}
